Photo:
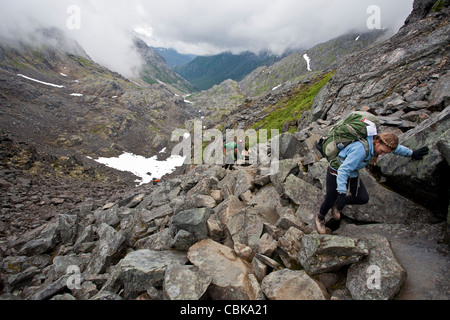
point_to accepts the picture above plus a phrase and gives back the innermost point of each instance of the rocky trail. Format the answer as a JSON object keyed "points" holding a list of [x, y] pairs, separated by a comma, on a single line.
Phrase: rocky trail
{"points": [[240, 234], [74, 230]]}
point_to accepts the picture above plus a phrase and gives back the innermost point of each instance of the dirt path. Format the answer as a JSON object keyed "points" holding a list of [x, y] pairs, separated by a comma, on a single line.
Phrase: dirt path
{"points": [[421, 251]]}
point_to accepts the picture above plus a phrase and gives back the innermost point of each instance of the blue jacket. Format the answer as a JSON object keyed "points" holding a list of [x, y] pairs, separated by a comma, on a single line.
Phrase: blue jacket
{"points": [[353, 159]]}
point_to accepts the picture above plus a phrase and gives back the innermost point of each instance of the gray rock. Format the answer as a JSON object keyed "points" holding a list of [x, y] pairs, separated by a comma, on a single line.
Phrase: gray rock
{"points": [[86, 236], [306, 196], [289, 145], [267, 245], [421, 180], [106, 296], [51, 288], [244, 182], [21, 278], [325, 253], [155, 213], [290, 243], [183, 240], [379, 276], [143, 269], [286, 168], [205, 201], [266, 201], [193, 221], [385, 206], [68, 227], [49, 237], [228, 208], [159, 241], [419, 250], [185, 283], [292, 285], [109, 216], [440, 96], [109, 250], [229, 273], [64, 297]]}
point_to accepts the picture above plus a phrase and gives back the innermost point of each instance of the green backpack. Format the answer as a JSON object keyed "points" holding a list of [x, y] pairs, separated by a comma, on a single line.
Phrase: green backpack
{"points": [[356, 127]]}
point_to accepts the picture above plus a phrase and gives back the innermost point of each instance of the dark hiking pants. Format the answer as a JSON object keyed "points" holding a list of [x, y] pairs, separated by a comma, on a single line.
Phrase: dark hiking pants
{"points": [[358, 194]]}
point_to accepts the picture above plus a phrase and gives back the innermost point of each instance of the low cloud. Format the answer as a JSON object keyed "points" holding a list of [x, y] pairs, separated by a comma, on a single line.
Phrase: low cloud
{"points": [[106, 27]]}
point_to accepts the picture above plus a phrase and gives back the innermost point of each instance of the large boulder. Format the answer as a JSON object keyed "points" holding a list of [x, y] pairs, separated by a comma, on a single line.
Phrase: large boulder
{"points": [[193, 221], [288, 284], [37, 244], [385, 206], [289, 145], [108, 251], [418, 248], [266, 201], [68, 227], [144, 269], [440, 96], [228, 208], [425, 180], [285, 169], [244, 182], [325, 253], [185, 283], [380, 276], [229, 273], [306, 196]]}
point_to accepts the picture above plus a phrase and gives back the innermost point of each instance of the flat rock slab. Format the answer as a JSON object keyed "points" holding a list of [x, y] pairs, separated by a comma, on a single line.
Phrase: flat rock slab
{"points": [[419, 250]]}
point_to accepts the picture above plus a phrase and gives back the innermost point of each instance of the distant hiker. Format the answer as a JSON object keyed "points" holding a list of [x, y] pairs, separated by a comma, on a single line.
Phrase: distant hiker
{"points": [[231, 158], [155, 181], [343, 184]]}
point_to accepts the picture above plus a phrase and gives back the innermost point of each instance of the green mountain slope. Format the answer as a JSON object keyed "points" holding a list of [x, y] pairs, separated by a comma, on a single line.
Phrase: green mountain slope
{"points": [[174, 58], [205, 72]]}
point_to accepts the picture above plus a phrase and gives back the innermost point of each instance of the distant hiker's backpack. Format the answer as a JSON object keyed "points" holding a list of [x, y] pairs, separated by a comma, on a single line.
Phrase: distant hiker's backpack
{"points": [[356, 127]]}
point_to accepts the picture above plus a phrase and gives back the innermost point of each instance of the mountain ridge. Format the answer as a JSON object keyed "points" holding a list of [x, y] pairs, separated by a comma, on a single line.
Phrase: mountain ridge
{"points": [[85, 107], [207, 71], [174, 58], [242, 234]]}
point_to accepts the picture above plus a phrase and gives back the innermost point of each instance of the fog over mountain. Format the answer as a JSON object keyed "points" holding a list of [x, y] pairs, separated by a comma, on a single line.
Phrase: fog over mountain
{"points": [[105, 28]]}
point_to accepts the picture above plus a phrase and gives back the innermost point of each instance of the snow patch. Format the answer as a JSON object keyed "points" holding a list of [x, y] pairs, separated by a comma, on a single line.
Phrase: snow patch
{"points": [[76, 94], [276, 87], [145, 168], [308, 61], [42, 82]]}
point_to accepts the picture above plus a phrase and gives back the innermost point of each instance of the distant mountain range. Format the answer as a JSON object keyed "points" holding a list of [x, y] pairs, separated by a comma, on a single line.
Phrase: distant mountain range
{"points": [[156, 70], [174, 58], [206, 71]]}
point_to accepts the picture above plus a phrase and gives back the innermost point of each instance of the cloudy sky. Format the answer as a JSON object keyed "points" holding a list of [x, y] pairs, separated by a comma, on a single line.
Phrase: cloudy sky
{"points": [[104, 27]]}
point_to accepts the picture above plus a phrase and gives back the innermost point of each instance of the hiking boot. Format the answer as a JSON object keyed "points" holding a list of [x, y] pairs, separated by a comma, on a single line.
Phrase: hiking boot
{"points": [[320, 226], [336, 213]]}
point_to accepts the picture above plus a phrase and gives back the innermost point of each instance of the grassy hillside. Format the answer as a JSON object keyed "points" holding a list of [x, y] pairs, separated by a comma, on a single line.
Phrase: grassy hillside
{"points": [[292, 108]]}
